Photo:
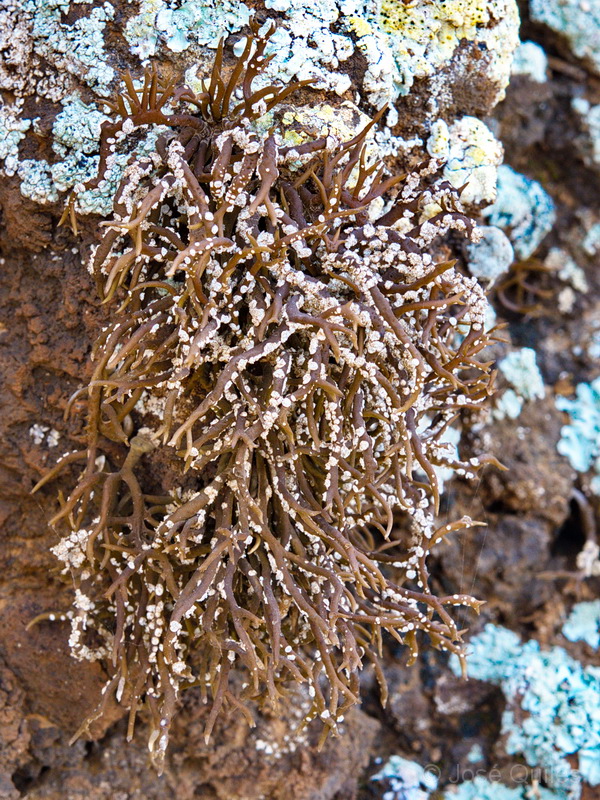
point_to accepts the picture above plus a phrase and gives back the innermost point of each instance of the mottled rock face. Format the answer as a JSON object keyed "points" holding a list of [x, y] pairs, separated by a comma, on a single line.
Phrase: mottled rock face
{"points": [[426, 61], [441, 66]]}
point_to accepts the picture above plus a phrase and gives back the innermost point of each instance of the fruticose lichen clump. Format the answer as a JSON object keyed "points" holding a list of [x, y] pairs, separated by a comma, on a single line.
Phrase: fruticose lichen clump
{"points": [[286, 342]]}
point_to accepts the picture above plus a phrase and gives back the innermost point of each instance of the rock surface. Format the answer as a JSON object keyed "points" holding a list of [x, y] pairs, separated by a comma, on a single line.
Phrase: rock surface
{"points": [[448, 68]]}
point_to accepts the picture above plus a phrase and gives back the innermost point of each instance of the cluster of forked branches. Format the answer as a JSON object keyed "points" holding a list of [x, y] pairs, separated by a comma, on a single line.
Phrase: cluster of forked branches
{"points": [[302, 354]]}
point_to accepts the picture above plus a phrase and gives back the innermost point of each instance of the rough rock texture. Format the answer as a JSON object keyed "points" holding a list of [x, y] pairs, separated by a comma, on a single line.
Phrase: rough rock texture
{"points": [[57, 60], [15, 737], [524, 564], [233, 766]]}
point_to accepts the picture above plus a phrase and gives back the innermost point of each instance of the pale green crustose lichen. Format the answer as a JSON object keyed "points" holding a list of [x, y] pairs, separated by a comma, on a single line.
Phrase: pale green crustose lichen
{"points": [[491, 256], [507, 405], [180, 25], [12, 131], [531, 60], [36, 181], [426, 35], [315, 37], [78, 48], [553, 705], [77, 127], [580, 439], [522, 372], [313, 40], [523, 209], [46, 56], [583, 624], [471, 155], [526, 383], [75, 140], [578, 22]]}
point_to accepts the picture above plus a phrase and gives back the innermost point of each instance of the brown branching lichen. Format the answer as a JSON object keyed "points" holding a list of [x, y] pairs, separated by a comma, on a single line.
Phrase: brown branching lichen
{"points": [[527, 288], [283, 330]]}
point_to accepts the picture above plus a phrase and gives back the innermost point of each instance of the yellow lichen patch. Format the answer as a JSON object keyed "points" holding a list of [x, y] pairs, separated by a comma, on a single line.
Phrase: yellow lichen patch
{"points": [[360, 26], [343, 122], [426, 21], [428, 33], [423, 35]]}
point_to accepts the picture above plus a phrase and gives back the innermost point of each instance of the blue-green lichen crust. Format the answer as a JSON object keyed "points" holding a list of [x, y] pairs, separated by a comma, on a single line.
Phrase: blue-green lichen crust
{"points": [[553, 705]]}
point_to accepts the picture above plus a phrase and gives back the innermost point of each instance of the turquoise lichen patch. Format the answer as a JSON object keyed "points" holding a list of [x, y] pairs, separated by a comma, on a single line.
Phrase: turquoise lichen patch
{"points": [[490, 256], [482, 788], [507, 405], [553, 705], [475, 754], [76, 142], [36, 181], [303, 45], [521, 371], [76, 135], [531, 60], [305, 48], [77, 127], [76, 48], [12, 131], [406, 780], [577, 21], [180, 25], [583, 624], [580, 439], [315, 37], [522, 209], [74, 170]]}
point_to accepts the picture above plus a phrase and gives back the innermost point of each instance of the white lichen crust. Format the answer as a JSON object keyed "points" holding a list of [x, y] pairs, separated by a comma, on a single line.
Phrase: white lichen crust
{"points": [[60, 51]]}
